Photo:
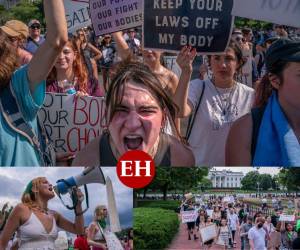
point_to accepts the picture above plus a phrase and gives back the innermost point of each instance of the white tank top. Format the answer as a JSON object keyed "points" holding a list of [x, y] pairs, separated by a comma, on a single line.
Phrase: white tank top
{"points": [[33, 235], [98, 234]]}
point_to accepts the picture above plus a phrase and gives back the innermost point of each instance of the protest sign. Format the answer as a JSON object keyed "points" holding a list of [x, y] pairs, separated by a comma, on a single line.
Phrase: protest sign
{"points": [[286, 217], [113, 15], [205, 25], [209, 212], [77, 14], [171, 64], [275, 11], [189, 216], [72, 123], [113, 243], [208, 233]]}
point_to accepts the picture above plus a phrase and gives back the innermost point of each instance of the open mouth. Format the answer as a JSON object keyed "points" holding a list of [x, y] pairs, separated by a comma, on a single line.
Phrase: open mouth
{"points": [[51, 189], [133, 142]]}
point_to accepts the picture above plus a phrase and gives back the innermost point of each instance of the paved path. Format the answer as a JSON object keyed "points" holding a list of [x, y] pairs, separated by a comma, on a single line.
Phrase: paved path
{"points": [[181, 241]]}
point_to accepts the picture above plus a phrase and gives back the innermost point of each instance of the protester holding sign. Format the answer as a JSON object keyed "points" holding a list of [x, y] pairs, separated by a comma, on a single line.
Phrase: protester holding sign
{"points": [[216, 102], [37, 225], [270, 135], [287, 235], [27, 85], [137, 109], [70, 75]]}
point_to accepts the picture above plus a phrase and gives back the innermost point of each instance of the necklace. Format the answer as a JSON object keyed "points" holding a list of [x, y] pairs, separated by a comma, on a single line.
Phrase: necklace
{"points": [[42, 210], [226, 104]]}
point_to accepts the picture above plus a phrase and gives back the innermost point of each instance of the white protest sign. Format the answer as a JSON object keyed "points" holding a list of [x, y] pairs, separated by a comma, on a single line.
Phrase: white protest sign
{"points": [[77, 14], [72, 123], [114, 15], [285, 217], [189, 216], [113, 243], [171, 64], [209, 212], [226, 199], [275, 11], [208, 233]]}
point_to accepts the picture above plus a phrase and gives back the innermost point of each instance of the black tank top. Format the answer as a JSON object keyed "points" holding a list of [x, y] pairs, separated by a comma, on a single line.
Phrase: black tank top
{"points": [[107, 157]]}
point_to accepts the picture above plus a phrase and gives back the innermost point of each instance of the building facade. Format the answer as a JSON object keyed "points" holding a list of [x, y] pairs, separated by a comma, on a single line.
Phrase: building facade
{"points": [[225, 178]]}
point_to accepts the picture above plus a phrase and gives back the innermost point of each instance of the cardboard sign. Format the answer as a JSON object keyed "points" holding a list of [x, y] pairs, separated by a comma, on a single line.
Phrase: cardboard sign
{"points": [[285, 217], [113, 243], [275, 11], [189, 216], [77, 14], [114, 15], [72, 123], [205, 25], [208, 233]]}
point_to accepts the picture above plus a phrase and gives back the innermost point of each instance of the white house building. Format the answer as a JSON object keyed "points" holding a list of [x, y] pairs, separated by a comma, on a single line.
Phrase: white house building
{"points": [[225, 178]]}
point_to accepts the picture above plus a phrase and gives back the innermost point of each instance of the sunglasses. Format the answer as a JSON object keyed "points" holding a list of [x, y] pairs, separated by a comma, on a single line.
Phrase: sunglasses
{"points": [[35, 27]]}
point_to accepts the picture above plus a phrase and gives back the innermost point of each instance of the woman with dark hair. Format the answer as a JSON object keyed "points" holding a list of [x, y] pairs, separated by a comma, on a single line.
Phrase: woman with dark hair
{"points": [[216, 102], [137, 109], [270, 135], [36, 225], [288, 235], [70, 75], [26, 89]]}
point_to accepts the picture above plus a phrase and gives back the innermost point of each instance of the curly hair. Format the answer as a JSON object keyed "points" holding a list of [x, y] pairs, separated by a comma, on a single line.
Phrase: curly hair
{"points": [[79, 68], [8, 60], [29, 196]]}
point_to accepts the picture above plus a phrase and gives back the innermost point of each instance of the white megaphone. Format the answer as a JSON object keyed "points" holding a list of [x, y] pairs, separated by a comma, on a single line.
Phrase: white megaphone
{"points": [[89, 175]]}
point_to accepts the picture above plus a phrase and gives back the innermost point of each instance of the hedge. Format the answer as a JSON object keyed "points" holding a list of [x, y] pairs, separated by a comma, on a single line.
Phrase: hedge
{"points": [[171, 204], [154, 228]]}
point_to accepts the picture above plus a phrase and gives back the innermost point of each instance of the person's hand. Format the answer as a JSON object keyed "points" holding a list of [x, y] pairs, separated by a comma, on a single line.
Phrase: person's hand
{"points": [[64, 159], [81, 93], [79, 194], [185, 58]]}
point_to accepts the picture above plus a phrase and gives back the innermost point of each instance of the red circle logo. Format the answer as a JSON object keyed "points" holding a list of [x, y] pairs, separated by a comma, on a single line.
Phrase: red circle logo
{"points": [[136, 169]]}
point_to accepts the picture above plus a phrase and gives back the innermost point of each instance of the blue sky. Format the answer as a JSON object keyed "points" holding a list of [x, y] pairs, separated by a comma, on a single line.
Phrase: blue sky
{"points": [[14, 180]]}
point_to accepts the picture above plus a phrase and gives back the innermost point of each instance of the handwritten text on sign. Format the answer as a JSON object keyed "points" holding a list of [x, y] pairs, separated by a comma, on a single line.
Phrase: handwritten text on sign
{"points": [[203, 24], [189, 216], [276, 11], [77, 14], [114, 15], [72, 123]]}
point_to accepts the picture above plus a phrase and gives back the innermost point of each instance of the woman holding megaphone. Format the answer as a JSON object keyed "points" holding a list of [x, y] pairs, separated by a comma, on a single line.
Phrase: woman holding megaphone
{"points": [[35, 224]]}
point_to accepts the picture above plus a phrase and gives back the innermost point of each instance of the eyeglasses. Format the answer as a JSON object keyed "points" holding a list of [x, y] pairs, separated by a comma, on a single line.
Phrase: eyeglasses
{"points": [[35, 26]]}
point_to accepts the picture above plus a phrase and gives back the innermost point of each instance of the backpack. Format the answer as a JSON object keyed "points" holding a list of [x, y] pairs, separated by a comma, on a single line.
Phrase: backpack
{"points": [[257, 115], [13, 116]]}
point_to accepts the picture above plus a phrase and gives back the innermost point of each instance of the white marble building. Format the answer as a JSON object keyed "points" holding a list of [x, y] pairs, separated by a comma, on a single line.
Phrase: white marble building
{"points": [[225, 178]]}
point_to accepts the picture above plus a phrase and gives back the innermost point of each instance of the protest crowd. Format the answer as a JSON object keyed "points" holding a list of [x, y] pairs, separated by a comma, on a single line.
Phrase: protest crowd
{"points": [[229, 222]]}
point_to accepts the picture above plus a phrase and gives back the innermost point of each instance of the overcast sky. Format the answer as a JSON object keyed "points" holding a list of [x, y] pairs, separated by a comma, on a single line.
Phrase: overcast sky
{"points": [[14, 180], [263, 170]]}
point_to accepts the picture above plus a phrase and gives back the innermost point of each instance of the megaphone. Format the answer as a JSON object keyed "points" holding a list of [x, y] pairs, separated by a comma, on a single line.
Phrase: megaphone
{"points": [[89, 175]]}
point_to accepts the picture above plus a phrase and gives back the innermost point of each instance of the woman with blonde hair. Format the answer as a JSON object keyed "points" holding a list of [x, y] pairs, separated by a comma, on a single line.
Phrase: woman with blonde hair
{"points": [[96, 229], [35, 224]]}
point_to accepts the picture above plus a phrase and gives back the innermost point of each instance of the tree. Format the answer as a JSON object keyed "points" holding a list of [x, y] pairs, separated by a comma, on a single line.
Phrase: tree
{"points": [[24, 11], [289, 179], [249, 182], [265, 181]]}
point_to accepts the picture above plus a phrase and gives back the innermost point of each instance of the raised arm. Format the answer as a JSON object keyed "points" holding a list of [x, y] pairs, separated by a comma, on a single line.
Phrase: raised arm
{"points": [[45, 57], [78, 226], [122, 47], [185, 60]]}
